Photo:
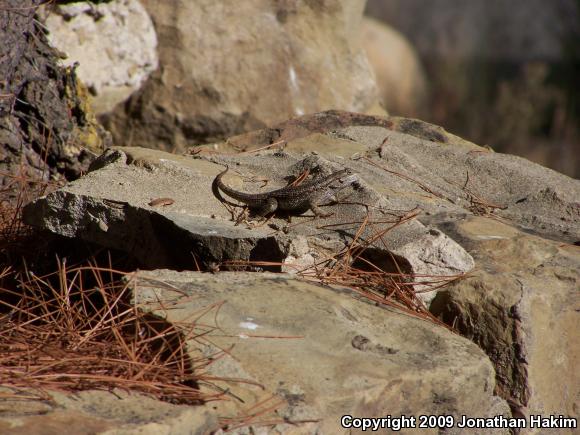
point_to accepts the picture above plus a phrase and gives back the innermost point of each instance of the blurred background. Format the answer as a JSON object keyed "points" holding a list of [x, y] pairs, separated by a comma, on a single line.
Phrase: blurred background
{"points": [[175, 74], [503, 73]]}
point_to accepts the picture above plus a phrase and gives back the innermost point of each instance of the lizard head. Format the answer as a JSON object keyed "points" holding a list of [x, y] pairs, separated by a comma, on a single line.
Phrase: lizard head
{"points": [[347, 176]]}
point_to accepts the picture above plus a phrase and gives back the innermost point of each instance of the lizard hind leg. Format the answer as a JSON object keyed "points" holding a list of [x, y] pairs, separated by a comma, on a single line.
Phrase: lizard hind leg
{"points": [[270, 207]]}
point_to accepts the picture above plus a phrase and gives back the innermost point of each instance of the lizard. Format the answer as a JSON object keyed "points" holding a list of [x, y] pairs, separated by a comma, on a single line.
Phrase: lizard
{"points": [[296, 199]]}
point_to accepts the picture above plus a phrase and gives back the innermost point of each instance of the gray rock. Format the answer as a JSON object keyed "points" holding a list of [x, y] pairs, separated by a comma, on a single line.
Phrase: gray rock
{"points": [[111, 206], [323, 351], [421, 165]]}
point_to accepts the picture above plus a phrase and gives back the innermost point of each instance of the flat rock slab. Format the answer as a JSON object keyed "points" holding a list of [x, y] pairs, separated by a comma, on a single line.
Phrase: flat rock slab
{"points": [[160, 208], [104, 413], [111, 206], [325, 352]]}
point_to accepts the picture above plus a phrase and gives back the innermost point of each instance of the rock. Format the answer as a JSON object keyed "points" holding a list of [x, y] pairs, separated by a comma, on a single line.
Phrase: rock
{"points": [[435, 254], [521, 308], [117, 214], [111, 206], [114, 44], [445, 172], [324, 352], [47, 130], [225, 69], [398, 71], [106, 413], [507, 216]]}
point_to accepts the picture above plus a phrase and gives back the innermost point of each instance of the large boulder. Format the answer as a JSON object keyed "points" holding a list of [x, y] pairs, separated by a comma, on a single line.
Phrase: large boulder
{"points": [[323, 352], [398, 71], [114, 44], [225, 68], [521, 307]]}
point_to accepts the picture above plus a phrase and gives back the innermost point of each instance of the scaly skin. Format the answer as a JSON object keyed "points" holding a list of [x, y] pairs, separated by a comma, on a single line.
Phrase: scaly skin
{"points": [[291, 198]]}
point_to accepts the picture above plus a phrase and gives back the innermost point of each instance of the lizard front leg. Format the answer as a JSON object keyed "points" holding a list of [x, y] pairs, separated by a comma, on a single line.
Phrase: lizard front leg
{"points": [[313, 205]]}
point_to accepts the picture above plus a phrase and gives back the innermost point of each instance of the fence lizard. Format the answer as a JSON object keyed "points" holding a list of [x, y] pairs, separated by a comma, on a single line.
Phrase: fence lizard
{"points": [[296, 199]]}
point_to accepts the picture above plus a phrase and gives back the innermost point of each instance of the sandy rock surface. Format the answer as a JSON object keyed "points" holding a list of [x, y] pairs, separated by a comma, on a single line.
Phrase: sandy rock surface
{"points": [[521, 307], [325, 352], [101, 412]]}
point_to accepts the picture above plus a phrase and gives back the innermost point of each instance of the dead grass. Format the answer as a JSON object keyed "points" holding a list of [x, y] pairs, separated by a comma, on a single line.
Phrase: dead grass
{"points": [[77, 329], [262, 413], [353, 268]]}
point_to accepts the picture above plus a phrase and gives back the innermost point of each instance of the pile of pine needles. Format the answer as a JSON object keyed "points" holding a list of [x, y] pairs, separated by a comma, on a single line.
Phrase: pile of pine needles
{"points": [[77, 328]]}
